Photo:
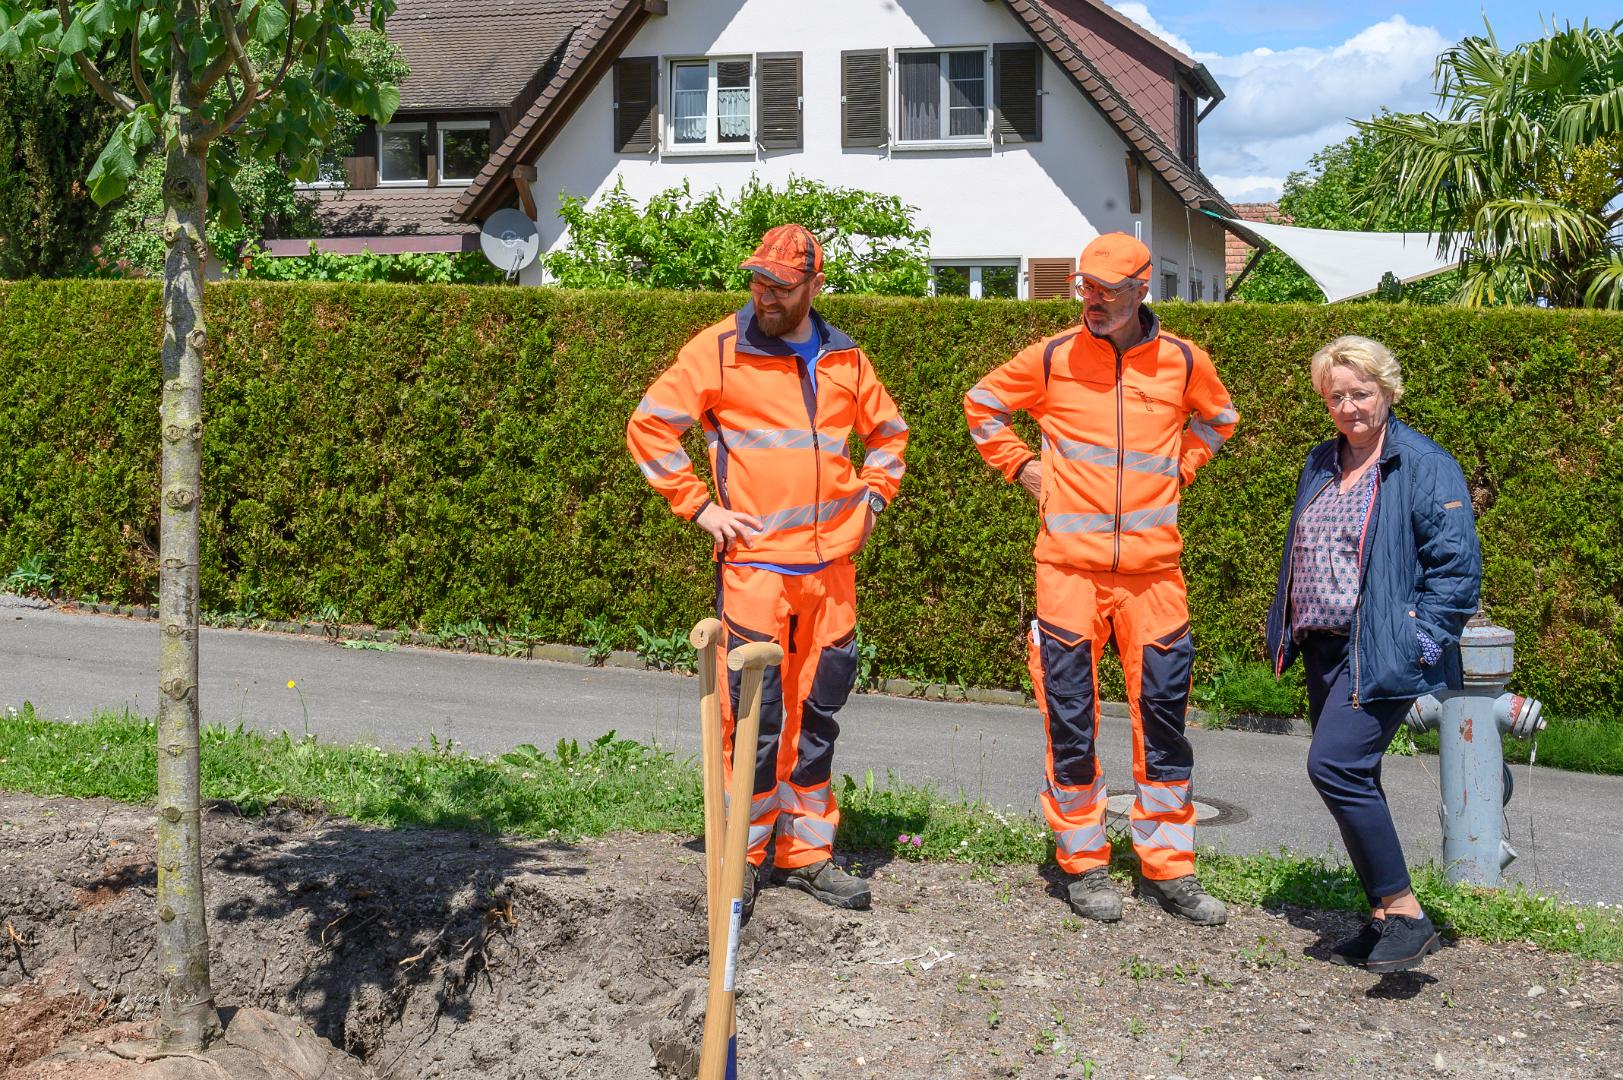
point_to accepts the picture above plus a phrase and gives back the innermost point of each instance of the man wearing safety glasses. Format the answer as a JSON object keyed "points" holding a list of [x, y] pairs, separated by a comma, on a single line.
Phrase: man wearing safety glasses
{"points": [[1128, 414]]}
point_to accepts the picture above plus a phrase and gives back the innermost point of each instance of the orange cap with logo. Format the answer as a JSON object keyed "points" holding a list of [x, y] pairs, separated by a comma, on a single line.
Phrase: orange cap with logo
{"points": [[788, 255], [1114, 259]]}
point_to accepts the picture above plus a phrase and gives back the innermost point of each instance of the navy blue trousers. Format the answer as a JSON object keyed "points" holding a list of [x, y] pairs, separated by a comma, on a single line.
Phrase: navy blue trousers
{"points": [[1344, 763]]}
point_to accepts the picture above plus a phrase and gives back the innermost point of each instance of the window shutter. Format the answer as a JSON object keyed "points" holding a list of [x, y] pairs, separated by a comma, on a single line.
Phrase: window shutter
{"points": [[778, 85], [1018, 74], [864, 103], [636, 104], [361, 160], [1050, 278]]}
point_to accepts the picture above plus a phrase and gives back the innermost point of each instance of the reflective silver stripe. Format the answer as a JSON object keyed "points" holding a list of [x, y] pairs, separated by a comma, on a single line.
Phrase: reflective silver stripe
{"points": [[1154, 518], [1225, 415], [779, 439], [795, 517], [679, 420], [758, 835], [1091, 453], [1163, 799], [894, 426], [759, 804], [1072, 800], [664, 468], [1164, 835], [1206, 433], [986, 429], [813, 832], [1080, 523], [982, 396], [817, 801], [1076, 841], [1155, 464], [885, 461]]}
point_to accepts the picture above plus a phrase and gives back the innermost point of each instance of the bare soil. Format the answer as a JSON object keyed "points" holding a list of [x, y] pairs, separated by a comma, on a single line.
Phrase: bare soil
{"points": [[442, 954]]}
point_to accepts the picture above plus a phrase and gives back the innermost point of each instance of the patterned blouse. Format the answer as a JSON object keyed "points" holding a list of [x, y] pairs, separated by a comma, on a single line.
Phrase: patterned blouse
{"points": [[1324, 559]]}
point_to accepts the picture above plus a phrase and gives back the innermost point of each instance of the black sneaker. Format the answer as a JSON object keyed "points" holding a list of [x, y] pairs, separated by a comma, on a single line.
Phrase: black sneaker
{"points": [[829, 884], [1092, 896], [1355, 950], [1183, 897], [1404, 942]]}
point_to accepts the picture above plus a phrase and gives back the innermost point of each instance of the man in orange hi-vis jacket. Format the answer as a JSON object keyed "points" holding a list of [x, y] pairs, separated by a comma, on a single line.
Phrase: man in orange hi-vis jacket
{"points": [[1127, 414], [779, 392]]}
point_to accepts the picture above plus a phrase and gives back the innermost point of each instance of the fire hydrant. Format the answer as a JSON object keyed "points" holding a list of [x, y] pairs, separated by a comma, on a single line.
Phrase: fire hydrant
{"points": [[1472, 765]]}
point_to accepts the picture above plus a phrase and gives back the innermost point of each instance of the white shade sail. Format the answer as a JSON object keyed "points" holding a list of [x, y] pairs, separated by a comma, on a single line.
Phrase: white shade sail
{"points": [[1347, 265]]}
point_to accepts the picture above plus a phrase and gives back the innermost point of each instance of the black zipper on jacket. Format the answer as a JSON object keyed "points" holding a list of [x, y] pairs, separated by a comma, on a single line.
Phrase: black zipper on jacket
{"points": [[1121, 459], [1363, 572], [808, 394]]}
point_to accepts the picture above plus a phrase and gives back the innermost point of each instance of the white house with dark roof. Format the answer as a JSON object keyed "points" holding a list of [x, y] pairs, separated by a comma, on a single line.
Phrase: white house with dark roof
{"points": [[1019, 129]]}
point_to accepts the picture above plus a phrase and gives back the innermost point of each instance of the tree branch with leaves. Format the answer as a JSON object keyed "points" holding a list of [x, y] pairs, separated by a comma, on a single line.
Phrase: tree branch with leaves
{"points": [[180, 53]]}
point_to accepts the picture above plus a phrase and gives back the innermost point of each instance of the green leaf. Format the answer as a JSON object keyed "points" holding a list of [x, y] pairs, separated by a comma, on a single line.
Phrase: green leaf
{"points": [[382, 102], [271, 23], [110, 176], [76, 40], [10, 45]]}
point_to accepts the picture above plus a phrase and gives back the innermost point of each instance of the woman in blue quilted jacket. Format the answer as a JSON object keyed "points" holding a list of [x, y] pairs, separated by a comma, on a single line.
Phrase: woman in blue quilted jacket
{"points": [[1380, 572]]}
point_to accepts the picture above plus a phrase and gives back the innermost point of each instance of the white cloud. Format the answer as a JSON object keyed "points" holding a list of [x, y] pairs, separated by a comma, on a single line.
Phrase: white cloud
{"points": [[1141, 15], [1284, 105]]}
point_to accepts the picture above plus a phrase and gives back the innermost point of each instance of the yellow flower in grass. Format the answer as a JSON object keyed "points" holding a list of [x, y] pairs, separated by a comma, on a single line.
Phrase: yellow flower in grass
{"points": [[291, 684]]}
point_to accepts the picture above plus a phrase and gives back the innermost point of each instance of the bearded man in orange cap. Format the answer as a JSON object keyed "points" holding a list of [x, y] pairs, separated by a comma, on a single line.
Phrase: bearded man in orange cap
{"points": [[779, 392], [1128, 414]]}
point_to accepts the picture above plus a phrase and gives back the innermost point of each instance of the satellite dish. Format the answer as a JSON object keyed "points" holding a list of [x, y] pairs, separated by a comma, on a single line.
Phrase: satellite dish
{"points": [[510, 241]]}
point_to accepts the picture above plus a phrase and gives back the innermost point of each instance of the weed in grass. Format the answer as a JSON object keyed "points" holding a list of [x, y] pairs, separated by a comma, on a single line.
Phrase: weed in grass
{"points": [[1237, 685], [599, 635], [867, 659], [670, 652], [1135, 1028], [371, 646], [1043, 1043], [1138, 969], [1265, 954], [993, 1017], [1403, 744], [32, 576], [1070, 923]]}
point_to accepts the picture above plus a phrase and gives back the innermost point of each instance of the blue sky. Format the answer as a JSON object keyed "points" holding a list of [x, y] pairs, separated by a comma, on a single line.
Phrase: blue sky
{"points": [[1294, 73]]}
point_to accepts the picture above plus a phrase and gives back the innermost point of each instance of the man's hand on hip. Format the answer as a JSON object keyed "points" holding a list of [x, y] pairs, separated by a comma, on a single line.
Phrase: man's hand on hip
{"points": [[1031, 478], [727, 527]]}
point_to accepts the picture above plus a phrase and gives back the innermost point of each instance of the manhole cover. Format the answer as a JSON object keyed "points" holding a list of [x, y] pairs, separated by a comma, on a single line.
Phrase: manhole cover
{"points": [[1208, 812]]}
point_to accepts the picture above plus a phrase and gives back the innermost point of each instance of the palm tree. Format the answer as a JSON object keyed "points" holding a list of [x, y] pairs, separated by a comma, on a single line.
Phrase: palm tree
{"points": [[1523, 171]]}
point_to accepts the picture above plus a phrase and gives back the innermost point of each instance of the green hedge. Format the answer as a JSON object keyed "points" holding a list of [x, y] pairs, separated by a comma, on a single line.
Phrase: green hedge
{"points": [[424, 455]]}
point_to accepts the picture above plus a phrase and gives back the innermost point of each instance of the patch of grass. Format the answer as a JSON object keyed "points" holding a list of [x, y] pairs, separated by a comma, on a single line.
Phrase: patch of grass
{"points": [[618, 785], [666, 652], [1248, 686], [32, 576], [1584, 744]]}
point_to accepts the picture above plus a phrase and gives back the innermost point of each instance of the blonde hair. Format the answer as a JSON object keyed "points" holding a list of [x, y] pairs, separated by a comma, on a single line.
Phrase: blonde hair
{"points": [[1368, 357]]}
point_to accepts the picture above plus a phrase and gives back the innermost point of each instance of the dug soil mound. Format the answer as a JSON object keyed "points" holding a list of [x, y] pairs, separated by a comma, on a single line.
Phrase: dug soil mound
{"points": [[444, 954]]}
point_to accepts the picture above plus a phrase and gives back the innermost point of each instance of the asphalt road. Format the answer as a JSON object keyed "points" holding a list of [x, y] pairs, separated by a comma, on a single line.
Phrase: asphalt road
{"points": [[1568, 827]]}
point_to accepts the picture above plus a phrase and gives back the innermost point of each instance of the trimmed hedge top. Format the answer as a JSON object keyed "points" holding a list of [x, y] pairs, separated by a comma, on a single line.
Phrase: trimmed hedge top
{"points": [[422, 455]]}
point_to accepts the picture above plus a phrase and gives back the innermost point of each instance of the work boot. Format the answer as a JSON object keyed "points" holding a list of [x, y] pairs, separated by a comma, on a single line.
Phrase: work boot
{"points": [[828, 884], [1183, 897], [1405, 941], [1092, 896], [752, 874], [1355, 950]]}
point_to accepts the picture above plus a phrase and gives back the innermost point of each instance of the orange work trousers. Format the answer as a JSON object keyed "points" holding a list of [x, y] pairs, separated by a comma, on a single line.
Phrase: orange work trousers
{"points": [[1147, 615], [813, 617]]}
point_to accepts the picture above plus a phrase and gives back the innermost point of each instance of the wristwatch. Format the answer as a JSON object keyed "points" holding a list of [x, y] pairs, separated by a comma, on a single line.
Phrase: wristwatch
{"points": [[876, 502]]}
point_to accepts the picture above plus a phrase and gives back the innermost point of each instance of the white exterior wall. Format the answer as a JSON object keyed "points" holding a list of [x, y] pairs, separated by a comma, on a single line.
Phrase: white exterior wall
{"points": [[1037, 200], [1188, 238]]}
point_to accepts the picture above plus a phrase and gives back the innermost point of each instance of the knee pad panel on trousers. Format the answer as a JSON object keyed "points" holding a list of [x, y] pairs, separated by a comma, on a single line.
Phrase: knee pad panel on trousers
{"points": [[766, 749], [1168, 667], [831, 686], [1069, 691]]}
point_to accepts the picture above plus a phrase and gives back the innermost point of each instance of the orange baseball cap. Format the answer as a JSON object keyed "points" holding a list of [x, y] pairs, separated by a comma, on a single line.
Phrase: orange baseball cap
{"points": [[788, 255], [1114, 259]]}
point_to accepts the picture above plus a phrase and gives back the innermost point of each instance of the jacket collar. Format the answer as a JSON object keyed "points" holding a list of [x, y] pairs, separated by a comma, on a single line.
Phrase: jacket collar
{"points": [[1149, 325], [1397, 434], [754, 341]]}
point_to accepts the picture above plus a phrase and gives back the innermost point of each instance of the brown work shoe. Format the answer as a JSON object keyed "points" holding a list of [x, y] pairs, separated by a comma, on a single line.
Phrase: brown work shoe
{"points": [[1092, 896], [829, 884]]}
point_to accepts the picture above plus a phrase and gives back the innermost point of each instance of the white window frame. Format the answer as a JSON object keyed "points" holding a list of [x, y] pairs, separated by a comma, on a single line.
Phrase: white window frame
{"points": [[712, 145], [975, 266], [943, 142], [440, 129], [408, 125]]}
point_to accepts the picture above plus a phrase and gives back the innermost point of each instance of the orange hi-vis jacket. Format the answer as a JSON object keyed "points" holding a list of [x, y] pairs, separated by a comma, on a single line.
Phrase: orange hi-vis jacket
{"points": [[778, 448], [1115, 445]]}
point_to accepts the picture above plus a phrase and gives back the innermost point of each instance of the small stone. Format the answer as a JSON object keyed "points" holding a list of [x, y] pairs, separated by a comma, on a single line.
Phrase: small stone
{"points": [[1439, 1063], [1304, 1027], [1535, 991]]}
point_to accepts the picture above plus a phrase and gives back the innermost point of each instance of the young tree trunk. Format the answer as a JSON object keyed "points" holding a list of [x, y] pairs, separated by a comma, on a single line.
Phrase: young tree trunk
{"points": [[187, 1017]]}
